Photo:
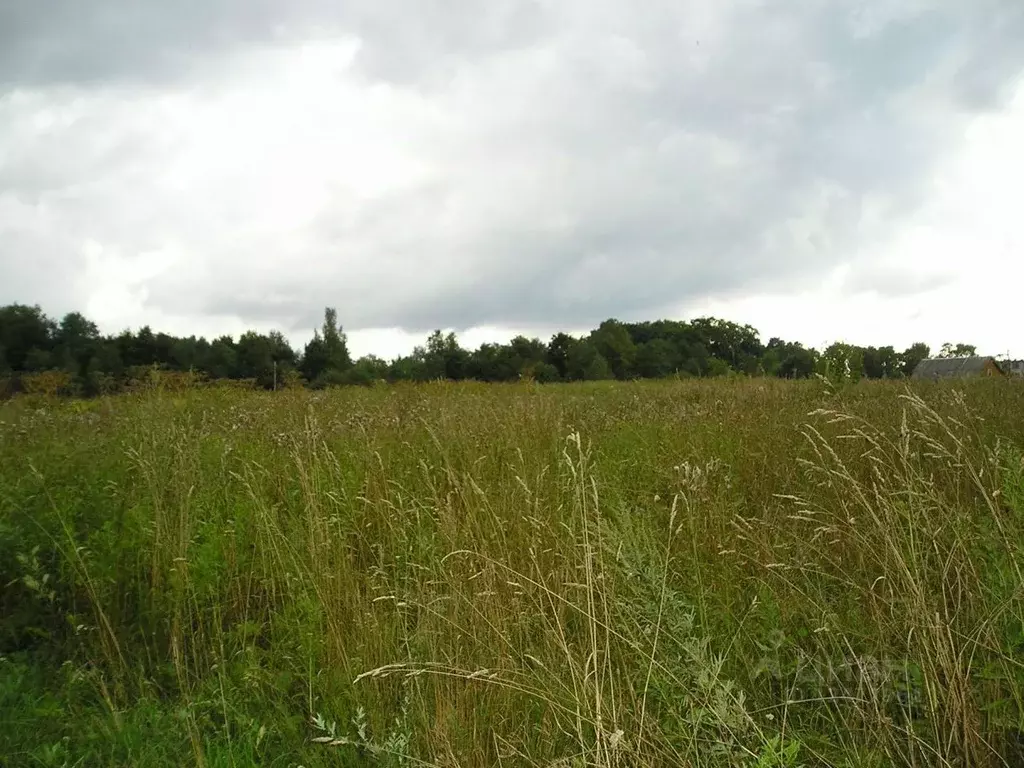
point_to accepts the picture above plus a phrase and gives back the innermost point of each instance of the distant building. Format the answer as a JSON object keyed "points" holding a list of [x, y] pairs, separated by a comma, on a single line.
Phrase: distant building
{"points": [[957, 368], [1012, 367]]}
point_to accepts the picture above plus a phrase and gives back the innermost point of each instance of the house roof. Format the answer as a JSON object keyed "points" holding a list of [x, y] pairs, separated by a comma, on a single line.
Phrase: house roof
{"points": [[952, 367]]}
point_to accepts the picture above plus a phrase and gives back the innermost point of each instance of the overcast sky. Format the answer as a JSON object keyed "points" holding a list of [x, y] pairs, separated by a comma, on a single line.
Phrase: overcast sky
{"points": [[821, 169]]}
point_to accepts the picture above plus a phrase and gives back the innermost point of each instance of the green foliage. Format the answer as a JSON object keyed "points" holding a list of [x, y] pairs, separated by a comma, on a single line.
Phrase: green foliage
{"points": [[390, 751], [912, 356], [443, 358], [798, 363], [617, 573], [656, 359], [335, 342], [22, 330], [613, 343], [737, 345], [367, 371], [778, 753], [883, 363], [717, 367], [544, 373], [586, 363], [842, 362], [314, 358], [409, 368], [558, 353], [325, 359], [263, 358], [958, 350], [31, 344]]}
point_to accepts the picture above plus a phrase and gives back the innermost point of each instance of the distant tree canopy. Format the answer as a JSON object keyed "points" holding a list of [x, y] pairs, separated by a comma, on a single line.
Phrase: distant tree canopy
{"points": [[79, 360], [325, 359], [958, 350]]}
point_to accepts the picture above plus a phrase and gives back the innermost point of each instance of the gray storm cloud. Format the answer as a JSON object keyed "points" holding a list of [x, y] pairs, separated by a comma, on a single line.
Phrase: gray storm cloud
{"points": [[581, 159]]}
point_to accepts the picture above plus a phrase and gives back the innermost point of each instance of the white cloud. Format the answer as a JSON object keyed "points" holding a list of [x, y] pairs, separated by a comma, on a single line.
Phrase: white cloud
{"points": [[504, 169], [966, 239]]}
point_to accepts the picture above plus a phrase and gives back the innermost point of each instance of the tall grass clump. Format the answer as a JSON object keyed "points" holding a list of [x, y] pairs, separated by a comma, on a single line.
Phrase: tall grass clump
{"points": [[910, 525], [703, 573]]}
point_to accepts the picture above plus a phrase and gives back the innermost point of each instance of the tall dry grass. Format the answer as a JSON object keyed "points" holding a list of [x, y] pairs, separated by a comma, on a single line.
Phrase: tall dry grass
{"points": [[734, 573]]}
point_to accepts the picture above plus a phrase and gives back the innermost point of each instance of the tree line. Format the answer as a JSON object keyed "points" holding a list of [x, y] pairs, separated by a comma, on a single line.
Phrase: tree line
{"points": [[70, 356]]}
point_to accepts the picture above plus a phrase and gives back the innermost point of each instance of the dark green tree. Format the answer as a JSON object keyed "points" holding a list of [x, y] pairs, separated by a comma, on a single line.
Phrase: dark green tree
{"points": [[913, 355], [255, 359], [656, 358], [881, 363], [444, 358], [335, 341], [315, 358], [367, 370], [873, 366], [408, 367], [223, 359], [737, 345], [75, 343], [797, 363], [22, 329], [491, 362], [842, 362], [107, 360], [585, 363], [614, 344], [558, 353], [325, 357], [527, 355], [38, 360], [546, 373], [185, 354], [30, 341]]}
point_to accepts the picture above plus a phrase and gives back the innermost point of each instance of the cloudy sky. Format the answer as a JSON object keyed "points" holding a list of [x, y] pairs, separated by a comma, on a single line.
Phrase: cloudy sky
{"points": [[822, 169]]}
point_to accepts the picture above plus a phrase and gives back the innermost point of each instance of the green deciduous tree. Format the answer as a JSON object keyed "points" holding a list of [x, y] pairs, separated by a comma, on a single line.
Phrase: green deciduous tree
{"points": [[738, 345], [881, 363], [444, 358], [558, 352], [23, 329], [314, 358], [75, 343], [255, 358], [32, 342], [585, 363], [788, 360], [656, 358], [408, 367], [958, 350], [798, 363], [38, 360], [222, 362], [367, 370], [613, 342], [492, 362], [546, 373], [335, 342], [913, 355], [326, 355], [842, 362]]}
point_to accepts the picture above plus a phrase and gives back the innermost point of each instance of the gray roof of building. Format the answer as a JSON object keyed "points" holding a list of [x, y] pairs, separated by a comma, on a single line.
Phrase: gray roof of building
{"points": [[951, 367]]}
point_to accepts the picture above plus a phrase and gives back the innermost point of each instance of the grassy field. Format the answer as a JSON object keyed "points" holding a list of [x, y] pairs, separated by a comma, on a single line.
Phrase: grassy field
{"points": [[699, 573]]}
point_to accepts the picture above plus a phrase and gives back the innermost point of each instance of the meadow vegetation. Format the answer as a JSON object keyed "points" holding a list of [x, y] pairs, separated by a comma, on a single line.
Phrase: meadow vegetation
{"points": [[733, 572]]}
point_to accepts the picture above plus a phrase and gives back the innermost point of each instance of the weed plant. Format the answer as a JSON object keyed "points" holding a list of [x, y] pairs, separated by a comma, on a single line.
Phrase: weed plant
{"points": [[762, 574]]}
